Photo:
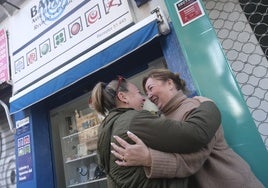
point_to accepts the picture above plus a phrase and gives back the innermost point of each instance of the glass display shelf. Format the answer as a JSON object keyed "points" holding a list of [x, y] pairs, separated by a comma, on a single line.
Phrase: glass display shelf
{"points": [[79, 145], [81, 158], [87, 182], [76, 133], [83, 171]]}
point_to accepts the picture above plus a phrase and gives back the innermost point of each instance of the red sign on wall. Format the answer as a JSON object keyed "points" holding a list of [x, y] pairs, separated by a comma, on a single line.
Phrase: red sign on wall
{"points": [[188, 11], [4, 64]]}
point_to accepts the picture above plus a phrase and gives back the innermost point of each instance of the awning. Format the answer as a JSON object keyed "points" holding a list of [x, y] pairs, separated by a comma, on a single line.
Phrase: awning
{"points": [[117, 47]]}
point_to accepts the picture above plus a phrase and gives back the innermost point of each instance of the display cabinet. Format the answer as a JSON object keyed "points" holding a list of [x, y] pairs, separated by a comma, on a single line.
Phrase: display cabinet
{"points": [[79, 144]]}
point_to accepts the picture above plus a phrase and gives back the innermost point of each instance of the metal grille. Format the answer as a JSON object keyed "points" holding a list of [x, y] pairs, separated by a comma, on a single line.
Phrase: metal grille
{"points": [[245, 54], [256, 12]]}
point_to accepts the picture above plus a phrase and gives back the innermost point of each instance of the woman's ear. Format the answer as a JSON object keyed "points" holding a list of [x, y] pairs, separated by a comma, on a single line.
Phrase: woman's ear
{"points": [[170, 84], [122, 97]]}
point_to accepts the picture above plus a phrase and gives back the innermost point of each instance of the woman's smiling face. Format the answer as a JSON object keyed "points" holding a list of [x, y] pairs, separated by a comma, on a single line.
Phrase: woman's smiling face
{"points": [[158, 91], [135, 99]]}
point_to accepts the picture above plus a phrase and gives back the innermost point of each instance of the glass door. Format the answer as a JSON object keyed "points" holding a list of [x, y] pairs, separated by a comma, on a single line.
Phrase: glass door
{"points": [[74, 132]]}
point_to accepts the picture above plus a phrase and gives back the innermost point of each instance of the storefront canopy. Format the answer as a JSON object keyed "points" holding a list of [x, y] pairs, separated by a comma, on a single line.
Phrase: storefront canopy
{"points": [[117, 47]]}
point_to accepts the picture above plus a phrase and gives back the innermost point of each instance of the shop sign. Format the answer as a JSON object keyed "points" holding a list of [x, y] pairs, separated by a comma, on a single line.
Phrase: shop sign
{"points": [[47, 35], [4, 64], [24, 150], [23, 126], [188, 11]]}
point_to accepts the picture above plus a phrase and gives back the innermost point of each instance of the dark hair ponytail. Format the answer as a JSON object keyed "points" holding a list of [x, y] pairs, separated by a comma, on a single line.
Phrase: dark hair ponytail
{"points": [[103, 96]]}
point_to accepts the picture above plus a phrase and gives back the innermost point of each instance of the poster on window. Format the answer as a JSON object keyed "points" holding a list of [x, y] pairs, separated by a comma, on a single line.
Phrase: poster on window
{"points": [[188, 11]]}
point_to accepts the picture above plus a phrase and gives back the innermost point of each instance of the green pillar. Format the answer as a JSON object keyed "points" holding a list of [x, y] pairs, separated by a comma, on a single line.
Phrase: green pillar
{"points": [[213, 78]]}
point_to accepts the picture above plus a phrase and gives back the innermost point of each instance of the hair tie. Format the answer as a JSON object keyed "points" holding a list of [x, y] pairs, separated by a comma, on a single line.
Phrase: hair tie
{"points": [[105, 85]]}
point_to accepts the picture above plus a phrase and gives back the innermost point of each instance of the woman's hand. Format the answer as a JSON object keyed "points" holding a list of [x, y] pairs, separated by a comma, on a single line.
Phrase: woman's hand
{"points": [[137, 154]]}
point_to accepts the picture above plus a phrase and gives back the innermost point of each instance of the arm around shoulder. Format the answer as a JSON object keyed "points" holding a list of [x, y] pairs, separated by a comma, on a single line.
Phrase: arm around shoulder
{"points": [[178, 137]]}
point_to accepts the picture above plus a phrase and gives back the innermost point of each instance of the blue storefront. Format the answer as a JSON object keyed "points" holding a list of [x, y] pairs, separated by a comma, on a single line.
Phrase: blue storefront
{"points": [[129, 51]]}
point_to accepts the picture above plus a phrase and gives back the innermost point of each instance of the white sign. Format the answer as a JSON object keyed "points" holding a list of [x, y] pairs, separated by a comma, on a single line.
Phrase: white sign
{"points": [[50, 34], [21, 123]]}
